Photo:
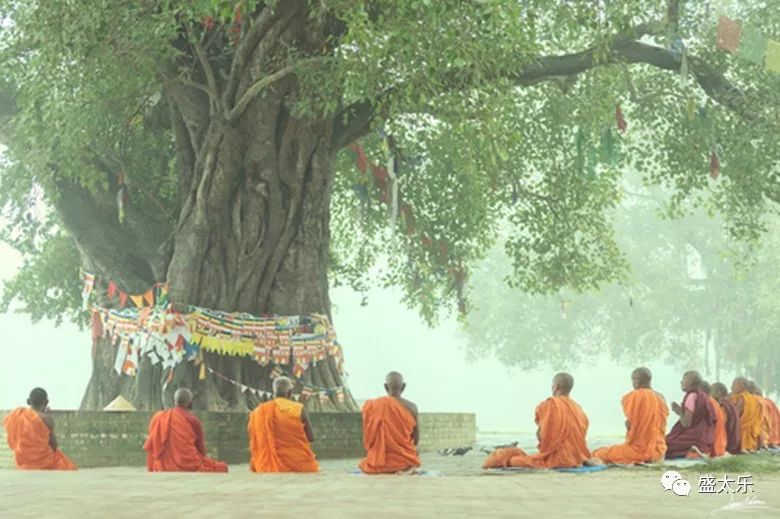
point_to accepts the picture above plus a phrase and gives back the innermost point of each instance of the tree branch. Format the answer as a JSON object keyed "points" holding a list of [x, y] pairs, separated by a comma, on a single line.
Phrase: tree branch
{"points": [[356, 118], [262, 83], [208, 70]]}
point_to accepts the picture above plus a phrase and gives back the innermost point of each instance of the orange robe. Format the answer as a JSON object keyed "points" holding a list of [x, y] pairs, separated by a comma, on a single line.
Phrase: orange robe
{"points": [[277, 441], [646, 437], [767, 420], [387, 437], [774, 440], [562, 429], [28, 437], [175, 444], [721, 438], [749, 420]]}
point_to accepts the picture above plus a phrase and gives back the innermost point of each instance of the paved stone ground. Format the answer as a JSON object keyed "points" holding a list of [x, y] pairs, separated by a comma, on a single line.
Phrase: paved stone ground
{"points": [[464, 492]]}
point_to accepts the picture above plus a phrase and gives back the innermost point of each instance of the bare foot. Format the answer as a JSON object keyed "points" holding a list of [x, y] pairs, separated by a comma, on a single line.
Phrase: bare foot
{"points": [[698, 451]]}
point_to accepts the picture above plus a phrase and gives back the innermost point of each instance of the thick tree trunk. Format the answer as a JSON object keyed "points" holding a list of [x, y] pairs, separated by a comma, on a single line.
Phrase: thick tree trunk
{"points": [[253, 229]]}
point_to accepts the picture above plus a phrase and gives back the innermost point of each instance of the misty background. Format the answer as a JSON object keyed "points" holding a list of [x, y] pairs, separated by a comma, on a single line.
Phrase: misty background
{"points": [[380, 336]]}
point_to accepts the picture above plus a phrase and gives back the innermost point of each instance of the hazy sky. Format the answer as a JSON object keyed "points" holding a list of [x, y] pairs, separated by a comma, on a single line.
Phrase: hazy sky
{"points": [[377, 338]]}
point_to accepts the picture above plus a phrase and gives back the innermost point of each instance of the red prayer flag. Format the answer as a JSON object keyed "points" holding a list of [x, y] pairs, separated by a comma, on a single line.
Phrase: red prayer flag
{"points": [[122, 299], [729, 32], [111, 291], [620, 120], [714, 165]]}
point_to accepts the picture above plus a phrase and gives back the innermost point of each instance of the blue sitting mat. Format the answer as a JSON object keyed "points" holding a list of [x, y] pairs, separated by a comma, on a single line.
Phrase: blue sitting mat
{"points": [[585, 469], [423, 473]]}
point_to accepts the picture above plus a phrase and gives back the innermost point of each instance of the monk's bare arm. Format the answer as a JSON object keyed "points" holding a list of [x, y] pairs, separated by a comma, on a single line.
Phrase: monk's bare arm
{"points": [[49, 421], [307, 426], [416, 430], [687, 418]]}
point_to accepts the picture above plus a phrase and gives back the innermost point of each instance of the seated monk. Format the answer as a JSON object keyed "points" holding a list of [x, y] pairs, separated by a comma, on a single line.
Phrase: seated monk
{"points": [[720, 438], [390, 432], [562, 427], [767, 420], [176, 443], [646, 414], [30, 435], [694, 432], [280, 434], [733, 434], [774, 439], [750, 417]]}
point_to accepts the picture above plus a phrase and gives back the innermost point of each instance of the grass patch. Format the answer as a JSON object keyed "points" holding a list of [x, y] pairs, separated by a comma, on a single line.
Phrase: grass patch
{"points": [[760, 463]]}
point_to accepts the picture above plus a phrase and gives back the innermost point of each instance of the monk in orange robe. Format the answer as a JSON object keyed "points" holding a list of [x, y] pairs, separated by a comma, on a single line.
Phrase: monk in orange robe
{"points": [[750, 412], [767, 418], [720, 438], [562, 426], [176, 442], [30, 435], [646, 414], [774, 440], [730, 416], [280, 434], [390, 432]]}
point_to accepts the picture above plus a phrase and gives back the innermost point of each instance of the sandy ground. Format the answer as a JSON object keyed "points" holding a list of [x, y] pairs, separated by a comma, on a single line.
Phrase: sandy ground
{"points": [[464, 491]]}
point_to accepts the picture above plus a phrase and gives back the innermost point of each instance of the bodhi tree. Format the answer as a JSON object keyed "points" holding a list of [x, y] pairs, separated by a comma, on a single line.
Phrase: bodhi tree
{"points": [[209, 144]]}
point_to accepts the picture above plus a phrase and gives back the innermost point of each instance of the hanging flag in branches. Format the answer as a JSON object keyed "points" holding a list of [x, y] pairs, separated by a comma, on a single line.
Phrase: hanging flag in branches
{"points": [[773, 56], [620, 120], [728, 34], [122, 196], [752, 46], [714, 163]]}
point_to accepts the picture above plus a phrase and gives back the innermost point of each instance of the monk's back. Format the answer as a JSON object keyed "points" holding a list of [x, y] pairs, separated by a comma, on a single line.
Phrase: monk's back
{"points": [[277, 439], [388, 429], [28, 436]]}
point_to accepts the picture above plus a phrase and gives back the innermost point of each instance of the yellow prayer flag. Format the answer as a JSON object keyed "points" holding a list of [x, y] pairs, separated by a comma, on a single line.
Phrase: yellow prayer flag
{"points": [[138, 300], [773, 56], [202, 375]]}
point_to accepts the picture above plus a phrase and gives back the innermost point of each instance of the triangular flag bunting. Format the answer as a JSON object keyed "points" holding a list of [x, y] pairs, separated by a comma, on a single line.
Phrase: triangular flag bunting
{"points": [[122, 299], [111, 290], [149, 297], [138, 300]]}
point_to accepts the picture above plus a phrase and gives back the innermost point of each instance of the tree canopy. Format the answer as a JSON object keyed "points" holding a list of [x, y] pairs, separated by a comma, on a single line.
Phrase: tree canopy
{"points": [[500, 113]]}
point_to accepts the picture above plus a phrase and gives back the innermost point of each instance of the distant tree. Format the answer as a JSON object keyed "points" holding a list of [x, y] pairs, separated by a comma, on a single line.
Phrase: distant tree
{"points": [[694, 296], [230, 122]]}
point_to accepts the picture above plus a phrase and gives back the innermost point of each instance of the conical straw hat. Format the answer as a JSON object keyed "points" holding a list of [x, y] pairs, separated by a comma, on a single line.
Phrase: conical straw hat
{"points": [[120, 403]]}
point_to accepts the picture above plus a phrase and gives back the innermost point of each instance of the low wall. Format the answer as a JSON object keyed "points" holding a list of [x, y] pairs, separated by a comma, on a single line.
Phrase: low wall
{"points": [[103, 439]]}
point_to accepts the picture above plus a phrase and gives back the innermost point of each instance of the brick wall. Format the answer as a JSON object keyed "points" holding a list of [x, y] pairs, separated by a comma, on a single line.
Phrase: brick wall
{"points": [[101, 439]]}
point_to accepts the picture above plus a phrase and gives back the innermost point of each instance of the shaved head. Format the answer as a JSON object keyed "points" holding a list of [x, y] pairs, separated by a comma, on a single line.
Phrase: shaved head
{"points": [[283, 387], [394, 383], [38, 398], [183, 398], [641, 378], [562, 384], [718, 391], [740, 384]]}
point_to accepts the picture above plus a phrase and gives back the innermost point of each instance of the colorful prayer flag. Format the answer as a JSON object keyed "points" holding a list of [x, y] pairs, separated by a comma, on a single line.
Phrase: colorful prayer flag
{"points": [[149, 297], [111, 291], [122, 299], [620, 120], [752, 46], [728, 34], [773, 56], [138, 300]]}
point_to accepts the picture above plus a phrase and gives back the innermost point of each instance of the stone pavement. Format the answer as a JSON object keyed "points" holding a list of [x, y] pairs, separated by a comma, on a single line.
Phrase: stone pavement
{"points": [[130, 492]]}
